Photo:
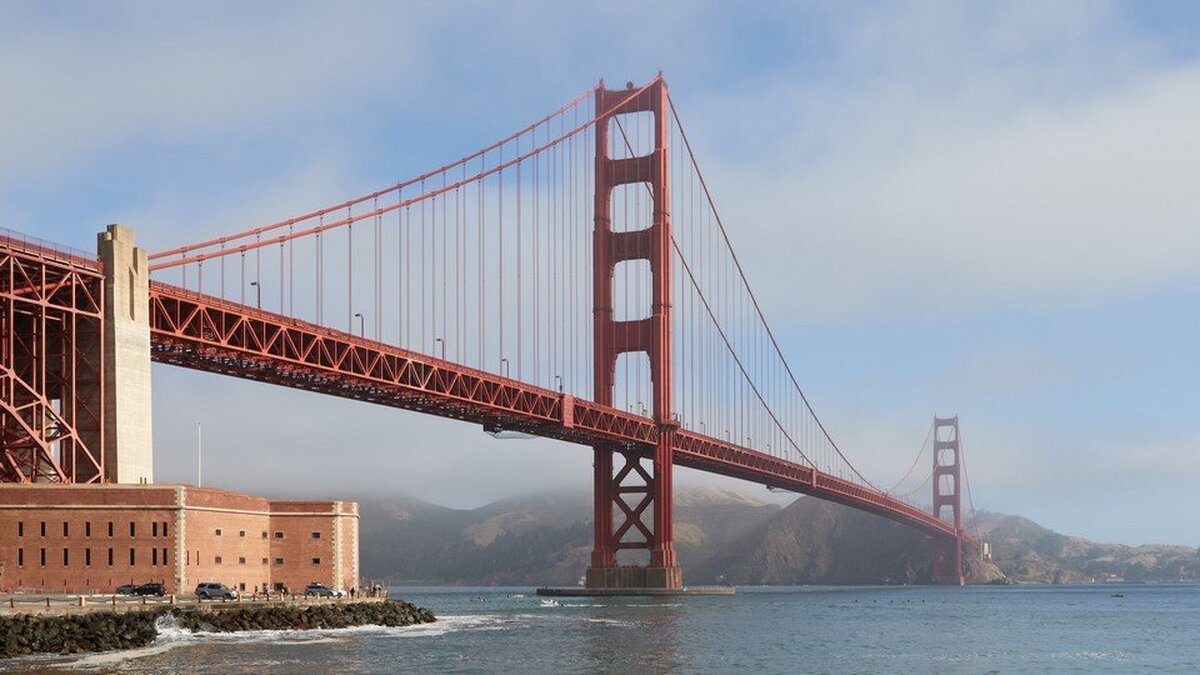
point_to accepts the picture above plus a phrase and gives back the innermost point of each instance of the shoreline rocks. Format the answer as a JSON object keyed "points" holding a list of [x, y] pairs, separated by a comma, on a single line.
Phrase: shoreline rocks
{"points": [[25, 634], [303, 617]]}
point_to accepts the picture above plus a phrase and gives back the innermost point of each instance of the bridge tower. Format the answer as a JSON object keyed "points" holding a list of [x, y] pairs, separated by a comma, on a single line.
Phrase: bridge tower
{"points": [[947, 492], [624, 494]]}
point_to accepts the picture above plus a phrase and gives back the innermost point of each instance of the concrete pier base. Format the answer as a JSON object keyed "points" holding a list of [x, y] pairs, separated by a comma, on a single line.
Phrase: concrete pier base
{"points": [[634, 577]]}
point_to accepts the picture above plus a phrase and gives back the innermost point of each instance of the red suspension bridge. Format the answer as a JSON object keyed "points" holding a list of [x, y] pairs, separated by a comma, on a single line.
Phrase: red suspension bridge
{"points": [[573, 280]]}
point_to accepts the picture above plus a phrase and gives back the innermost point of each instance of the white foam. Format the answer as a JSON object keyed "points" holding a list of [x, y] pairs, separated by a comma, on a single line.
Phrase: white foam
{"points": [[610, 622], [171, 636], [106, 659], [658, 604]]}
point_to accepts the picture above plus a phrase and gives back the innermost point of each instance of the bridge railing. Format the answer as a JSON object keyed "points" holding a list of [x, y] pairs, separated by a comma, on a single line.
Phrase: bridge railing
{"points": [[47, 249]]}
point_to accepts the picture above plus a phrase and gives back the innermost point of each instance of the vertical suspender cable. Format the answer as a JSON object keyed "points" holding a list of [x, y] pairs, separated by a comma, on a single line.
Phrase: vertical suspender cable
{"points": [[445, 306], [520, 281], [502, 253]]}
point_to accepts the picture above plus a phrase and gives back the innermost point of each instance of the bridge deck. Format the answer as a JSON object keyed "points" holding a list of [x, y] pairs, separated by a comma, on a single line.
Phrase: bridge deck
{"points": [[206, 333]]}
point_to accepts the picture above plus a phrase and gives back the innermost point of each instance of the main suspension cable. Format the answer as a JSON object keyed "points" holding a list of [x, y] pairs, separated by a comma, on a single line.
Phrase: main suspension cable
{"points": [[753, 299]]}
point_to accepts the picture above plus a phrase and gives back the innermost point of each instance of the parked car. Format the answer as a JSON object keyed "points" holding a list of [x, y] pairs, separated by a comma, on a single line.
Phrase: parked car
{"points": [[150, 589], [211, 590], [126, 589], [323, 591]]}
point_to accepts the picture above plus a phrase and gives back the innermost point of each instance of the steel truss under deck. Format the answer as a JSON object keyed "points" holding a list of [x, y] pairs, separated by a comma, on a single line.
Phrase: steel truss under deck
{"points": [[206, 333]]}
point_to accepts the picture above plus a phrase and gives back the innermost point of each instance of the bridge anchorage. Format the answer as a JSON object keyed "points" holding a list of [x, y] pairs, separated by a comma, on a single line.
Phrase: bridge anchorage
{"points": [[463, 293]]}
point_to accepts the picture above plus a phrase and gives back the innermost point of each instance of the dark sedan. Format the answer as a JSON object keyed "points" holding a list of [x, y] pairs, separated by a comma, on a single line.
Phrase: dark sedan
{"points": [[150, 589]]}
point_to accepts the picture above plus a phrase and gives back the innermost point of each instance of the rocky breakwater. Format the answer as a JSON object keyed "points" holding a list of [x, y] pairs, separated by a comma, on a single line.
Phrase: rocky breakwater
{"points": [[73, 633], [300, 617], [24, 634]]}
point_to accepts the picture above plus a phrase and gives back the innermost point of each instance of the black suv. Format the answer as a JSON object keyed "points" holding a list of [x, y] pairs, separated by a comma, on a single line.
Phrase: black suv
{"points": [[150, 589]]}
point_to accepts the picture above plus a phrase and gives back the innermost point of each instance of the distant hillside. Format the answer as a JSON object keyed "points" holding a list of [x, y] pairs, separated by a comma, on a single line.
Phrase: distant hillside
{"points": [[1028, 552], [728, 536], [535, 539], [541, 538], [817, 542]]}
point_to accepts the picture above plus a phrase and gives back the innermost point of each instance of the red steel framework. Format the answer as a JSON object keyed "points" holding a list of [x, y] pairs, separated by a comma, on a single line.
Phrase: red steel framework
{"points": [[51, 364], [51, 421], [651, 335], [947, 493], [206, 333], [45, 440]]}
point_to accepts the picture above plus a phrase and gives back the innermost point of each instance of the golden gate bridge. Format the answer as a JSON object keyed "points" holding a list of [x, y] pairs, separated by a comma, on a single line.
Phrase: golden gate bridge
{"points": [[573, 280]]}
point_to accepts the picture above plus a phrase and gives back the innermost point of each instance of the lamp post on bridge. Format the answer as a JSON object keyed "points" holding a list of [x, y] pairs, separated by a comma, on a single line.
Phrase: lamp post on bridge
{"points": [[504, 366], [257, 293], [361, 323], [199, 456], [442, 342]]}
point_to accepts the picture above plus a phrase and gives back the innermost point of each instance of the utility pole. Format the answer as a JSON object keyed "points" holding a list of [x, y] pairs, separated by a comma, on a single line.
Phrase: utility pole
{"points": [[199, 447]]}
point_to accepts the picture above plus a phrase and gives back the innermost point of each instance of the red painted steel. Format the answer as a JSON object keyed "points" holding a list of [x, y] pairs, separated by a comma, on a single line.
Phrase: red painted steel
{"points": [[198, 253], [651, 335], [51, 364], [51, 358], [947, 493], [206, 333]]}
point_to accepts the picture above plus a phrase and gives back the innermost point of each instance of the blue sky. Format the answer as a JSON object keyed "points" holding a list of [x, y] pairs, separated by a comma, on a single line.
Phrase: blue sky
{"points": [[986, 209]]}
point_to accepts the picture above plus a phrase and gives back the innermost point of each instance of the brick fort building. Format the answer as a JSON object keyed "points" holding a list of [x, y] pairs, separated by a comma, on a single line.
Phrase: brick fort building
{"points": [[79, 512]]}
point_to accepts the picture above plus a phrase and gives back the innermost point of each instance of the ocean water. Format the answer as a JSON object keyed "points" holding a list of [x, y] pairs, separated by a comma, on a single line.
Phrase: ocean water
{"points": [[1152, 628]]}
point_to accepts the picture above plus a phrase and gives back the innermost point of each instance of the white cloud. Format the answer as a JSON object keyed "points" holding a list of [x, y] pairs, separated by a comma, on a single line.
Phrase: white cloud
{"points": [[1176, 459], [164, 220], [168, 72], [973, 166]]}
